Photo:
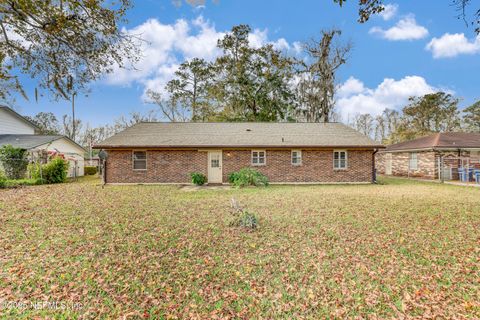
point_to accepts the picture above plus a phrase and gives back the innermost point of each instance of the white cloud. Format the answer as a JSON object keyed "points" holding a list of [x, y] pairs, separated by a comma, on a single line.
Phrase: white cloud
{"points": [[201, 45], [354, 98], [405, 29], [389, 11], [165, 46], [258, 38], [350, 87], [452, 45], [297, 47], [157, 82]]}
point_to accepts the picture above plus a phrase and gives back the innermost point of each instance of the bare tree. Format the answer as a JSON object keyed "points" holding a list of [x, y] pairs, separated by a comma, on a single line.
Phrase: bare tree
{"points": [[380, 130], [316, 87], [364, 123], [122, 123], [46, 122], [170, 109], [392, 122], [95, 135], [69, 129]]}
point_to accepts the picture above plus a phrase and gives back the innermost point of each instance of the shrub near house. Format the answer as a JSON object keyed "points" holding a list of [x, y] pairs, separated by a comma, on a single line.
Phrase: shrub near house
{"points": [[54, 171], [90, 170], [198, 178], [3, 180], [14, 162], [247, 177]]}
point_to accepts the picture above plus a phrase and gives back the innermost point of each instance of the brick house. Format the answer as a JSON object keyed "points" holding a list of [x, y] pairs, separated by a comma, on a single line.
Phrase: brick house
{"points": [[428, 156], [285, 152]]}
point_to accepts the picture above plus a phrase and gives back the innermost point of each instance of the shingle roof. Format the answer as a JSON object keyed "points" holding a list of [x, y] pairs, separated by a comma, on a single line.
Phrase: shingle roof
{"points": [[439, 141], [26, 141], [31, 141], [238, 134]]}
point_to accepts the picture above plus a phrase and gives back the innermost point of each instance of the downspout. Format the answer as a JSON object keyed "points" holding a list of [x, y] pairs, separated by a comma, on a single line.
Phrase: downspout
{"points": [[374, 172]]}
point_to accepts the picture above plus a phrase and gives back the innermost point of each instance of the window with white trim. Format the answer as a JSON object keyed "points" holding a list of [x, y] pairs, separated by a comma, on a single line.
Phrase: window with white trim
{"points": [[258, 157], [215, 160], [413, 163], [339, 159], [296, 157], [139, 160]]}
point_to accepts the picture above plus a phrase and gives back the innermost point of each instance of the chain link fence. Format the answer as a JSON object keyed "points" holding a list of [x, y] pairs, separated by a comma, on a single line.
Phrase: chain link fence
{"points": [[31, 167]]}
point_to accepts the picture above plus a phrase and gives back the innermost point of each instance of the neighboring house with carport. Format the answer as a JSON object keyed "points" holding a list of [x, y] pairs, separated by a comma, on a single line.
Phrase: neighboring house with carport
{"points": [[427, 157], [19, 132], [285, 152]]}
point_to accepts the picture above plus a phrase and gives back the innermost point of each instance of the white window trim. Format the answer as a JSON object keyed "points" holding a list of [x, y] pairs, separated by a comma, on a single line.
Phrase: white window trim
{"points": [[410, 160], [133, 160], [258, 164], [301, 157], [346, 159]]}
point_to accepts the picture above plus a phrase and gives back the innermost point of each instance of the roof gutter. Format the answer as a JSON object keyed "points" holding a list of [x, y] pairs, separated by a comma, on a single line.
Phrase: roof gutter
{"points": [[235, 146], [406, 150], [431, 149]]}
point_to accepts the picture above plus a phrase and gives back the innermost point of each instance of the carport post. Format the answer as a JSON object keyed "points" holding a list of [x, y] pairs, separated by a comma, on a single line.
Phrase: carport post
{"points": [[441, 172], [468, 171]]}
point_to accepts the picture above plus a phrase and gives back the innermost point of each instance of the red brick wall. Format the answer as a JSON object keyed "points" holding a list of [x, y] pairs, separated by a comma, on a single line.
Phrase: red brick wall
{"points": [[428, 163], [162, 166], [426, 167], [317, 166], [175, 166]]}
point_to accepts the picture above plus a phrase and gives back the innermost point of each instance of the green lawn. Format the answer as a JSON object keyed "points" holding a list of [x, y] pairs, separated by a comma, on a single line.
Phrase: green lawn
{"points": [[387, 250]]}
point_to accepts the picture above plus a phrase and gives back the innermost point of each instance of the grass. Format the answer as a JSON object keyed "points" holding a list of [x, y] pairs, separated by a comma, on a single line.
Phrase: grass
{"points": [[386, 251], [20, 183]]}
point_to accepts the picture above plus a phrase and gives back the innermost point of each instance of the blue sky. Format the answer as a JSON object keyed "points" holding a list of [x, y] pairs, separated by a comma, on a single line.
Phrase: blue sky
{"points": [[416, 48]]}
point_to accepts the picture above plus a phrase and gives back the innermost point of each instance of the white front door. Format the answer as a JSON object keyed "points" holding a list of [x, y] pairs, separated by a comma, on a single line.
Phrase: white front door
{"points": [[215, 167]]}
